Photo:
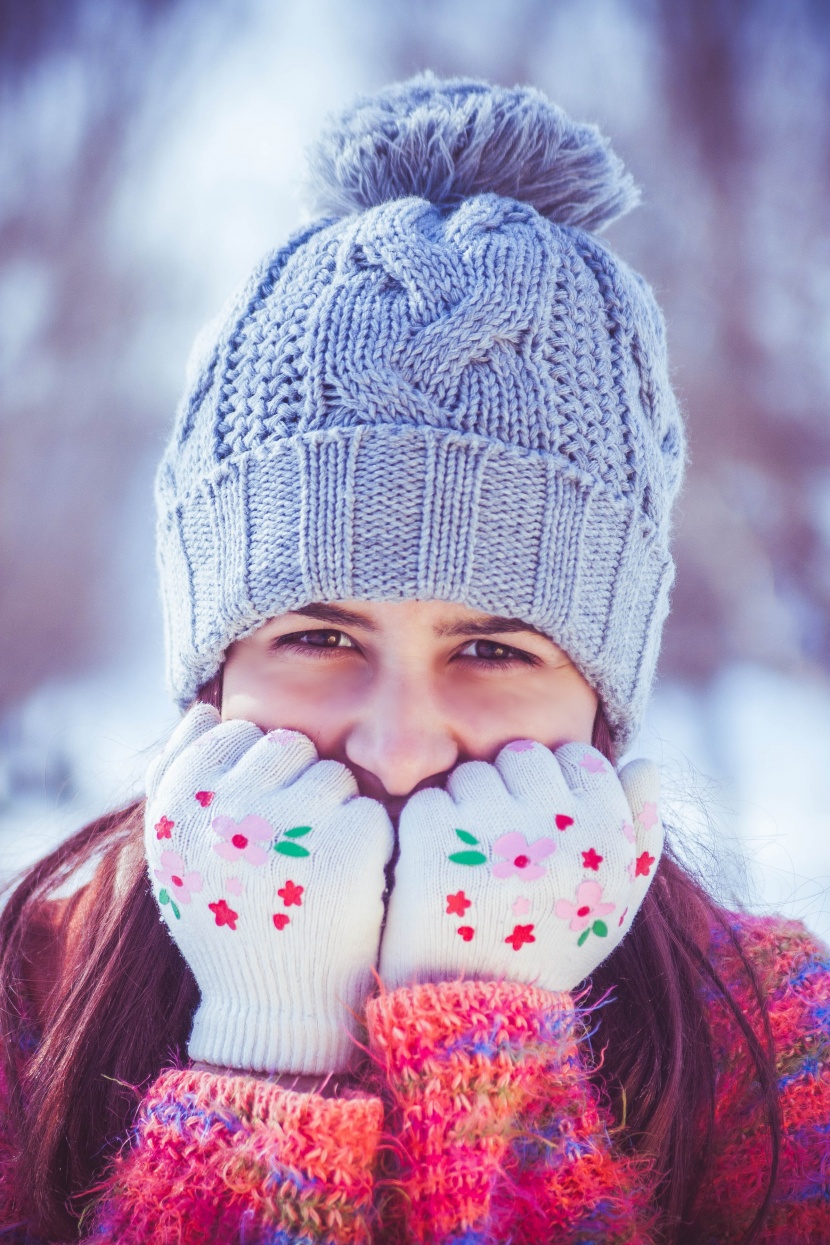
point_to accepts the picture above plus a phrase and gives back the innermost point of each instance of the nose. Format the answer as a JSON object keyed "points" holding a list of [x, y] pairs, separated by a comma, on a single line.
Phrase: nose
{"points": [[401, 737]]}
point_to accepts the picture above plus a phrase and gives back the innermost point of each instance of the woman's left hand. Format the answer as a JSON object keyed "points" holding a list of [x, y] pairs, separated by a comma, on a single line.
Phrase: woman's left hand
{"points": [[529, 870]]}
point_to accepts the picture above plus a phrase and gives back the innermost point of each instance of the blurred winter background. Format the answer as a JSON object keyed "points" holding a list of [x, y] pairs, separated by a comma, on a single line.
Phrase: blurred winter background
{"points": [[150, 150]]}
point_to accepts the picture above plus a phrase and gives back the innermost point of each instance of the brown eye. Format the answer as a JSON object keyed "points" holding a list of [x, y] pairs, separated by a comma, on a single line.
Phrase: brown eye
{"points": [[492, 654], [323, 639], [491, 649]]}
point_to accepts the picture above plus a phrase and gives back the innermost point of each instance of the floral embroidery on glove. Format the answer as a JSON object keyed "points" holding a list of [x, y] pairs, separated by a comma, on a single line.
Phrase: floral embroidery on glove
{"points": [[287, 846], [282, 980], [224, 914], [582, 913], [469, 857], [241, 840], [521, 934], [178, 883], [549, 909], [522, 857], [163, 828], [291, 894]]}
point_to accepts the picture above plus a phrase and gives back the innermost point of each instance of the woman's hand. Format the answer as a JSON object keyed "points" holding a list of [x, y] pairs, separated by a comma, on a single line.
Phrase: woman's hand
{"points": [[269, 871], [531, 869]]}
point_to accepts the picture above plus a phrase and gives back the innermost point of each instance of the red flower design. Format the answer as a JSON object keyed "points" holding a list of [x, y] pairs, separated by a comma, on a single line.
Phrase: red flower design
{"points": [[224, 915], [591, 860], [644, 864], [204, 797], [458, 904], [563, 821], [281, 920], [466, 932], [163, 827], [291, 894], [521, 934]]}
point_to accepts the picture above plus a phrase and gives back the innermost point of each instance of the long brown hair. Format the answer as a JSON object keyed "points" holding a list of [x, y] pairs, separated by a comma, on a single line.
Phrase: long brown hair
{"points": [[125, 1009]]}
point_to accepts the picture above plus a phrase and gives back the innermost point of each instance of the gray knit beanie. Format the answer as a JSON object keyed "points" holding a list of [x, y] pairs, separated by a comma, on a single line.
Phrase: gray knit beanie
{"points": [[446, 388]]}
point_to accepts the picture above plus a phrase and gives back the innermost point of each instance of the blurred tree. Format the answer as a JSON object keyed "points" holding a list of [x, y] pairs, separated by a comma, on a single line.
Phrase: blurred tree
{"points": [[71, 431], [747, 86]]}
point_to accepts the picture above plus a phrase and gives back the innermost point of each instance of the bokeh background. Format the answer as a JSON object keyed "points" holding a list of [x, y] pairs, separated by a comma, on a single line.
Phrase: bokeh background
{"points": [[151, 150]]}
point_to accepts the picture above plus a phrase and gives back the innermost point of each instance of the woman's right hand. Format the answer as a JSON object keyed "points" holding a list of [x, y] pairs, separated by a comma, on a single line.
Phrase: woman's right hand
{"points": [[268, 868]]}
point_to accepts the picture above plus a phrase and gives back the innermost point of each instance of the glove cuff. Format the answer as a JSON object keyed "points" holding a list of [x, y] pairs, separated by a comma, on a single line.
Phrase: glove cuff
{"points": [[317, 1038]]}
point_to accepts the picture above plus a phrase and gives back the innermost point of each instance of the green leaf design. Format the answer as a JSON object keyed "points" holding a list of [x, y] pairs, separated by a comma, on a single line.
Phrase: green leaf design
{"points": [[600, 929], [468, 858], [290, 849], [165, 898], [466, 837], [297, 832], [581, 939]]}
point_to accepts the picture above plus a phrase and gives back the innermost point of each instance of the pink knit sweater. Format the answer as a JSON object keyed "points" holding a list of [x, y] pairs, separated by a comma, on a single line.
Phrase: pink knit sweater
{"points": [[489, 1131]]}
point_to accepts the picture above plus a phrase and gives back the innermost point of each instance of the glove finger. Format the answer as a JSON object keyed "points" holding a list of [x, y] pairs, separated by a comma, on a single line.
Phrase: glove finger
{"points": [[584, 768], [195, 723], [275, 760], [361, 830], [531, 772], [199, 769], [428, 812], [476, 781], [640, 781], [326, 783]]}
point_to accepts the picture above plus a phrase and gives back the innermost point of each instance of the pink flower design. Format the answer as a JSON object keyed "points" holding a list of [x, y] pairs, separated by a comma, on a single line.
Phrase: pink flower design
{"points": [[241, 839], [593, 763], [522, 857], [234, 886], [173, 875], [586, 908], [649, 816], [628, 831], [520, 745]]}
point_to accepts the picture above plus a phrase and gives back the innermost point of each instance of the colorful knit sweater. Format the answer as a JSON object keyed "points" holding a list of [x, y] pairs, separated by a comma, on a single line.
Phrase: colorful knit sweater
{"points": [[488, 1131]]}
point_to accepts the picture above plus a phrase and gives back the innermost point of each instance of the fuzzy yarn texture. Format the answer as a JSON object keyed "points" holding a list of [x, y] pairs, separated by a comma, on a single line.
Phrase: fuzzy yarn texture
{"points": [[484, 1125], [230, 1159], [446, 388]]}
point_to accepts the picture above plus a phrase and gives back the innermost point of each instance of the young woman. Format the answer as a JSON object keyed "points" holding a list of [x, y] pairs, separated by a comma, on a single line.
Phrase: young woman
{"points": [[391, 951]]}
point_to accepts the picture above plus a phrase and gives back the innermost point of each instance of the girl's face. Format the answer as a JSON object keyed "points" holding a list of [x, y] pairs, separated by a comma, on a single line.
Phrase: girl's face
{"points": [[403, 691]]}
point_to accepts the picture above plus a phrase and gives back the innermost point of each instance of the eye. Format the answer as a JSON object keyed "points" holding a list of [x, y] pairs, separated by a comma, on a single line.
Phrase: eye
{"points": [[495, 654], [302, 641]]}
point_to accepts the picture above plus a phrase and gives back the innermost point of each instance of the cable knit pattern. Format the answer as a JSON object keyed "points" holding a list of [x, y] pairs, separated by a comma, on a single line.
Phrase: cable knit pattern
{"points": [[494, 1134], [464, 400]]}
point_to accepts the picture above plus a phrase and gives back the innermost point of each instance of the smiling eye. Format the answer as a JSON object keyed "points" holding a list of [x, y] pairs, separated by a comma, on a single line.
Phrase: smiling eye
{"points": [[327, 640], [496, 654]]}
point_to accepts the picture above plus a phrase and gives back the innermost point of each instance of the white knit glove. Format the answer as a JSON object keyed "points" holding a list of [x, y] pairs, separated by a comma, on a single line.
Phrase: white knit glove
{"points": [[269, 871], [530, 870]]}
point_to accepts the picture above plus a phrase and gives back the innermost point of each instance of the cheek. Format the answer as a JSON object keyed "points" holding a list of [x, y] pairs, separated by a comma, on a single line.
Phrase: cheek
{"points": [[254, 690], [554, 710]]}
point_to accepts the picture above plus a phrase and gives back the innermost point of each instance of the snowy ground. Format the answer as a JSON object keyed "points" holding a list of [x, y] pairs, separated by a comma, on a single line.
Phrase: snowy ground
{"points": [[745, 768]]}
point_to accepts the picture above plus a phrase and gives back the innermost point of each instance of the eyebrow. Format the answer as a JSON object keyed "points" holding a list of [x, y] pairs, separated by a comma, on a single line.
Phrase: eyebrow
{"points": [[483, 624]]}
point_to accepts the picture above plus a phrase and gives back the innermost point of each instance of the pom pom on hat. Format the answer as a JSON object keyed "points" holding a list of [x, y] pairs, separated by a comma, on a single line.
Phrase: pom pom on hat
{"points": [[448, 390], [445, 140]]}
